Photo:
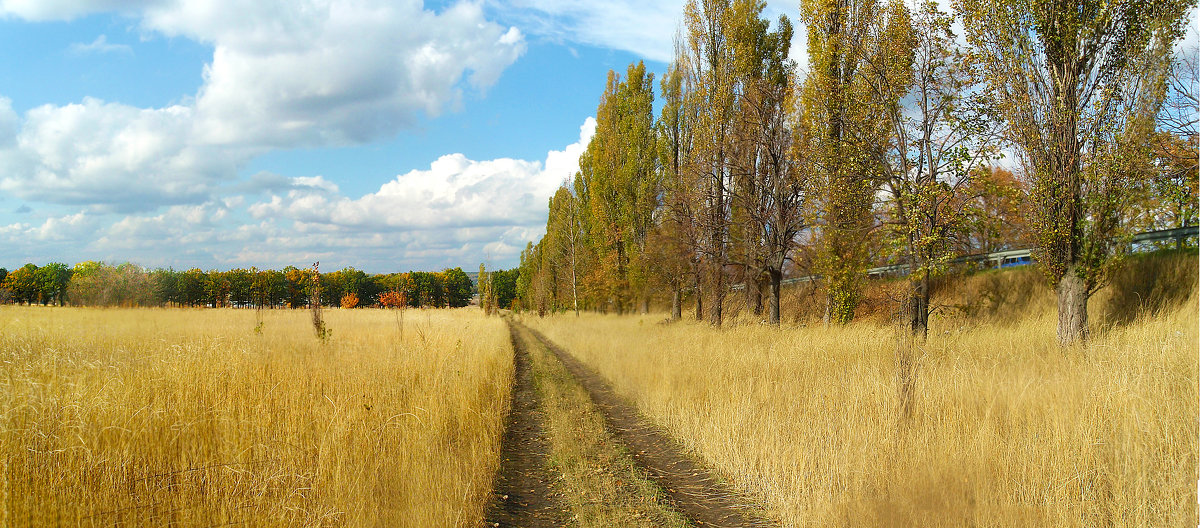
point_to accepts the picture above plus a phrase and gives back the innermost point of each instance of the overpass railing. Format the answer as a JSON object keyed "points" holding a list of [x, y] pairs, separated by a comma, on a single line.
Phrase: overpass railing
{"points": [[1011, 257]]}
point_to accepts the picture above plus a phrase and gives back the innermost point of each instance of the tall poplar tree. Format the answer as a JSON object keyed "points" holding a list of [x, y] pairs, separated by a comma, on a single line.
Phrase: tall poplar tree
{"points": [[618, 174], [833, 97], [710, 68], [1077, 81], [770, 188], [678, 240]]}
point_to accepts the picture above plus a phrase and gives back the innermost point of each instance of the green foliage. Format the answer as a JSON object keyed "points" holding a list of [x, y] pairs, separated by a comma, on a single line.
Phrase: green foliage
{"points": [[839, 109], [24, 284], [457, 287], [1081, 85], [92, 283], [621, 187], [99, 284], [1080, 88], [53, 279], [504, 286]]}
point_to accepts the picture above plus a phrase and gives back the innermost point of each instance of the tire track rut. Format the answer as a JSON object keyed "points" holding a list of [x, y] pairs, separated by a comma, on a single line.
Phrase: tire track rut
{"points": [[524, 492]]}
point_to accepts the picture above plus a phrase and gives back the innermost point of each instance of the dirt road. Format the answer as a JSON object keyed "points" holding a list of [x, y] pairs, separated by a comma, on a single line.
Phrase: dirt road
{"points": [[689, 488]]}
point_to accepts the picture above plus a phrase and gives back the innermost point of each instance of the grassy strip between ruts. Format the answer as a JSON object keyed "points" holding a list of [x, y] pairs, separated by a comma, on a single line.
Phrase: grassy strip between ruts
{"points": [[602, 485]]}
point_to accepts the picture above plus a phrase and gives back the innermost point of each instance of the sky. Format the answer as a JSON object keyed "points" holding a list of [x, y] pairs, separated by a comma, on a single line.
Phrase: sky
{"points": [[387, 135]]}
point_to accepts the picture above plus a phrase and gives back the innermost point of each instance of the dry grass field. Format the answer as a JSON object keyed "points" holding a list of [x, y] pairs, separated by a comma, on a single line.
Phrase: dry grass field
{"points": [[1005, 427], [155, 417], [189, 417]]}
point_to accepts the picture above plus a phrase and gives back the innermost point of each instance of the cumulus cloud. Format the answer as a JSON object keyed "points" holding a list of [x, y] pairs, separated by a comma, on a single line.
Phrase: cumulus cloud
{"points": [[70, 227], [112, 155], [331, 72], [454, 192], [456, 212], [284, 74]]}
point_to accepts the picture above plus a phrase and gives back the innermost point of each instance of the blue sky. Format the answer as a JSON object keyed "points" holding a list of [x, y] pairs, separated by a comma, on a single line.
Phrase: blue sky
{"points": [[385, 135], [377, 134]]}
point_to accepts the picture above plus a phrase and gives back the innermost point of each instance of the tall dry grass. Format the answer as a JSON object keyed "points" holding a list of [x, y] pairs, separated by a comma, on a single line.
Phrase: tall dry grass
{"points": [[158, 417], [1005, 428]]}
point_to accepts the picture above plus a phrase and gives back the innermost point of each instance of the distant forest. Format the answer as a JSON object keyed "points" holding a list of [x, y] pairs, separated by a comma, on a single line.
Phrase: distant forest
{"points": [[93, 283]]}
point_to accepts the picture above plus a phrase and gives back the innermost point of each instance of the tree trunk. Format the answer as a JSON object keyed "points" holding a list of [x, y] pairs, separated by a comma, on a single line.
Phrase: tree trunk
{"points": [[645, 305], [775, 277], [828, 317], [753, 292], [676, 303], [574, 281], [698, 294], [1072, 308], [718, 296], [623, 293], [918, 308]]}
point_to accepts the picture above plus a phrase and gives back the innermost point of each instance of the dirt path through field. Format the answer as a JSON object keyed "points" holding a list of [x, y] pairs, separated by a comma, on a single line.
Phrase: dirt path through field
{"points": [[524, 492], [690, 488]]}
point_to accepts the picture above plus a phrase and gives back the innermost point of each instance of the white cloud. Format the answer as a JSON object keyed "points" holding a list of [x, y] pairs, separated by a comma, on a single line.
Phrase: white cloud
{"points": [[643, 27], [284, 74], [457, 212], [113, 155], [43, 242], [331, 72], [454, 192], [70, 227], [101, 45], [42, 10], [9, 124]]}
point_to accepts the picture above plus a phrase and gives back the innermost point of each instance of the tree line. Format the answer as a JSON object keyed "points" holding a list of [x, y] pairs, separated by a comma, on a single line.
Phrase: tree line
{"points": [[886, 150], [93, 283]]}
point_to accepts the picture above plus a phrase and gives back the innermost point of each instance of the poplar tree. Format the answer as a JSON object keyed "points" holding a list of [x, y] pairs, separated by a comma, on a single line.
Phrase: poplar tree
{"points": [[565, 250], [710, 68], [771, 187], [1080, 82], [618, 175], [833, 96], [677, 237], [938, 129]]}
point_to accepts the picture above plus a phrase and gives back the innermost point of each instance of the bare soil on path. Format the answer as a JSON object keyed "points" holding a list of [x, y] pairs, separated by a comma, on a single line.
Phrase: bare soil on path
{"points": [[524, 490], [690, 488]]}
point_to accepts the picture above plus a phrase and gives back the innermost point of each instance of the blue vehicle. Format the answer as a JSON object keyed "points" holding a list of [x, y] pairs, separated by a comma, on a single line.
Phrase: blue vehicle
{"points": [[1009, 262]]}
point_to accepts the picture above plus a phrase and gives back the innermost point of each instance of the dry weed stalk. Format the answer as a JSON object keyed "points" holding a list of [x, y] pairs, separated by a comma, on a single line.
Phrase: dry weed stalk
{"points": [[910, 352], [259, 296], [314, 303]]}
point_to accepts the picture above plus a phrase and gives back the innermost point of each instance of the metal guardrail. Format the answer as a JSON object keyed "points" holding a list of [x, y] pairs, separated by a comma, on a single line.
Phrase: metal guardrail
{"points": [[1179, 233], [1011, 257]]}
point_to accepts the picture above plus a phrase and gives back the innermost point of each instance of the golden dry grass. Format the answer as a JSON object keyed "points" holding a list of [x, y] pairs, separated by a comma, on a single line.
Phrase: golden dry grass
{"points": [[1007, 429], [154, 417]]}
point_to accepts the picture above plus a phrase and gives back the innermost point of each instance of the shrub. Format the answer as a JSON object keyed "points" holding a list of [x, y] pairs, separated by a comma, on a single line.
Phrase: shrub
{"points": [[392, 299]]}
